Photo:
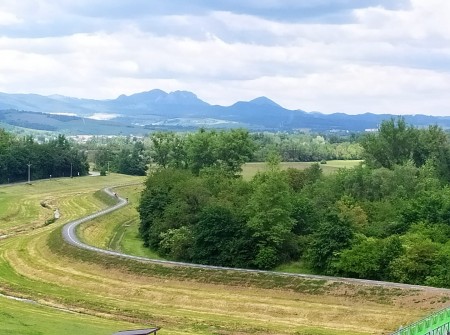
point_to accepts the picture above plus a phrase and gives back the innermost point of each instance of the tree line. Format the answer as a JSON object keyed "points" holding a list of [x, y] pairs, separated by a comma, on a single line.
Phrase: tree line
{"points": [[387, 219], [128, 157], [55, 158], [307, 147], [131, 155]]}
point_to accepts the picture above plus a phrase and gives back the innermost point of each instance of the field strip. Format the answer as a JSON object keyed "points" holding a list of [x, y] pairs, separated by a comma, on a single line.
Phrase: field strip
{"points": [[69, 235]]}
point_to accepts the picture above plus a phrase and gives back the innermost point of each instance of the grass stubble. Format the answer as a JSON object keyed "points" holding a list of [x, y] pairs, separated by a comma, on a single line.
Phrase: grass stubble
{"points": [[105, 293]]}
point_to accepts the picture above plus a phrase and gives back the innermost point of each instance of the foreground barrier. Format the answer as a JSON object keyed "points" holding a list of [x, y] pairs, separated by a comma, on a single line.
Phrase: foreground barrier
{"points": [[435, 324]]}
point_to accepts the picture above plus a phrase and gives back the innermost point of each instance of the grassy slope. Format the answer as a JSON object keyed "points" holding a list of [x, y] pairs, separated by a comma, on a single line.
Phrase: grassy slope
{"points": [[31, 319], [118, 231], [182, 301], [21, 205]]}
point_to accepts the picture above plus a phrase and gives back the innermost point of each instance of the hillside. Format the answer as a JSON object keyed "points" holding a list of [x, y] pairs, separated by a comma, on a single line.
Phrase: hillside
{"points": [[111, 293], [180, 110]]}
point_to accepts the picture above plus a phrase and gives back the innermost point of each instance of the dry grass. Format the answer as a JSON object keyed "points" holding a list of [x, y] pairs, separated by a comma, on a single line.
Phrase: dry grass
{"points": [[200, 302]]}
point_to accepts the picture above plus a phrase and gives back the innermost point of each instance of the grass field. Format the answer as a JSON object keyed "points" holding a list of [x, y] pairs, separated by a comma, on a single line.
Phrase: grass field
{"points": [[118, 231], [110, 294], [31, 319], [250, 169]]}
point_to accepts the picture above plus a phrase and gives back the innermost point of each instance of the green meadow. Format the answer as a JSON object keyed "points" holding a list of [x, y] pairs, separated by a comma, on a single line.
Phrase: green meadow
{"points": [[250, 169]]}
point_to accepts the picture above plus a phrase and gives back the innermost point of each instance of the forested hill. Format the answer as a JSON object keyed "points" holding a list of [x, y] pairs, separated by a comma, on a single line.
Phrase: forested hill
{"points": [[138, 113], [387, 219]]}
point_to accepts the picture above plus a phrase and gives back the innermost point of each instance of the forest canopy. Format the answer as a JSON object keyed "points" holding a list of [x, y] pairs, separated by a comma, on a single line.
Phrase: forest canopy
{"points": [[387, 219]]}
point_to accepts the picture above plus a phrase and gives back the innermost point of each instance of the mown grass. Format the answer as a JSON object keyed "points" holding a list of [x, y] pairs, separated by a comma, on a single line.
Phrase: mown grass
{"points": [[39, 265], [21, 204], [250, 169], [120, 230], [33, 319]]}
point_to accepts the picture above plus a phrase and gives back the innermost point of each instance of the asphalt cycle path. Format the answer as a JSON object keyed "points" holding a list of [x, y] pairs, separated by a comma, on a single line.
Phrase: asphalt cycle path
{"points": [[69, 235]]}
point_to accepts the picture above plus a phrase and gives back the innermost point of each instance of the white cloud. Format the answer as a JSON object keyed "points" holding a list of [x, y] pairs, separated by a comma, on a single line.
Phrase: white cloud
{"points": [[382, 60], [7, 19]]}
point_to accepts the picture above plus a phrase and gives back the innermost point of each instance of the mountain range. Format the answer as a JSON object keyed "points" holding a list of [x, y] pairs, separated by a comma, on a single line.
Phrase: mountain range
{"points": [[180, 110]]}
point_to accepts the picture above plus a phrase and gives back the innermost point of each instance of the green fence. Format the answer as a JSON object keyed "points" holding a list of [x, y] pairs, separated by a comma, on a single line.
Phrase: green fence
{"points": [[435, 324]]}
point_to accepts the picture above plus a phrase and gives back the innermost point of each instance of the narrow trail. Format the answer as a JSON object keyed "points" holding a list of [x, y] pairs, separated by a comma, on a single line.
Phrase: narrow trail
{"points": [[69, 235]]}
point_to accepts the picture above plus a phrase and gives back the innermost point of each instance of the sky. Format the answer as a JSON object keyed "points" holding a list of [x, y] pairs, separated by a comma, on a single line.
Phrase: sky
{"points": [[350, 56]]}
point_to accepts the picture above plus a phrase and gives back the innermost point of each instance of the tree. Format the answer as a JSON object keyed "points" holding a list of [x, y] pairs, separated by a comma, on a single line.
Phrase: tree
{"points": [[432, 206], [416, 264], [172, 199], [201, 151], [432, 143], [176, 243], [350, 211], [227, 150], [132, 162], [269, 216], [394, 144], [305, 216], [440, 272], [221, 238], [155, 198], [234, 148], [168, 149], [371, 258], [56, 158], [104, 159], [162, 146], [332, 236], [5, 140]]}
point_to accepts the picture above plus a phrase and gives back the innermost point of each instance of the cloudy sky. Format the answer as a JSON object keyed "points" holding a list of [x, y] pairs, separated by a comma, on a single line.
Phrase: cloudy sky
{"points": [[351, 56]]}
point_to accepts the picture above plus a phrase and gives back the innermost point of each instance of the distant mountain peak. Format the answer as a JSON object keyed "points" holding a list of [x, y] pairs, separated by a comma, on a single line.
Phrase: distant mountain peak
{"points": [[264, 101], [159, 96], [183, 94], [156, 108], [184, 98], [148, 95]]}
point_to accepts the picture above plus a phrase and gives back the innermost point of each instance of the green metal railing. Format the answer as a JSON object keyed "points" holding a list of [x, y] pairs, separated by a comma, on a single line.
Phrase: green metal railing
{"points": [[434, 324]]}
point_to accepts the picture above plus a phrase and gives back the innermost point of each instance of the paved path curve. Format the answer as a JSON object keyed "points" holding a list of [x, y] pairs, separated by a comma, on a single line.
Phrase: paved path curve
{"points": [[70, 237]]}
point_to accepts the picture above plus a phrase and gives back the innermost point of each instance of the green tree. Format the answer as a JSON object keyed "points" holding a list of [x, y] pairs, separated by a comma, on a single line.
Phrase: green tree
{"points": [[168, 149], [5, 140], [221, 238], [227, 150], [394, 144], [234, 148], [155, 198], [270, 219], [176, 243], [332, 236], [104, 158], [201, 151], [440, 273], [132, 162], [371, 258], [416, 264], [57, 158]]}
